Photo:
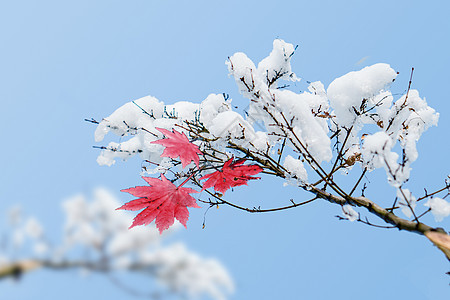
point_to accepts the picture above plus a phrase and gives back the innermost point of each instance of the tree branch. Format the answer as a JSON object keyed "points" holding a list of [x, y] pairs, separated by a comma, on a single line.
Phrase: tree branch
{"points": [[387, 216]]}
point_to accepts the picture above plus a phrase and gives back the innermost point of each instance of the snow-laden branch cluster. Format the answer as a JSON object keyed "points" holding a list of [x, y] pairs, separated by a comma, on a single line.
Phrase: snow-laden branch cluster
{"points": [[96, 239], [355, 120], [304, 138]]}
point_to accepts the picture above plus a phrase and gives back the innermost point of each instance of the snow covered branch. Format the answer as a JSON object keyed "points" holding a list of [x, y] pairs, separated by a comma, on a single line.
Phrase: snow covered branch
{"points": [[96, 239], [306, 139]]}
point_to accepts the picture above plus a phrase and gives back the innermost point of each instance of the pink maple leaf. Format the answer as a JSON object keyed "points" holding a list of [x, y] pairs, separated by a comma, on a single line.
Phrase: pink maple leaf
{"points": [[231, 175], [162, 200], [178, 145]]}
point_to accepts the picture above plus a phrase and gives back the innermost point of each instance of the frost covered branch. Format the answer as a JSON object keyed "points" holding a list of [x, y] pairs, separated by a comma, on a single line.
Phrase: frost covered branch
{"points": [[305, 139]]}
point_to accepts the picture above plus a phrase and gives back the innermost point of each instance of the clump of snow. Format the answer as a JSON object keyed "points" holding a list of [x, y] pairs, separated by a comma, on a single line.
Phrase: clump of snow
{"points": [[184, 271], [230, 124], [347, 92], [23, 230], [408, 119], [123, 150], [404, 122], [164, 165], [439, 208], [182, 110], [376, 153], [295, 168], [41, 248], [243, 70], [134, 114], [350, 213], [260, 141], [277, 65], [136, 123], [312, 134], [34, 228], [360, 98], [213, 105], [407, 201], [18, 238]]}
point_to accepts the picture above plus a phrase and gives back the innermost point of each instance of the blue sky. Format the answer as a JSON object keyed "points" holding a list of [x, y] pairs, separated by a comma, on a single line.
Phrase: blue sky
{"points": [[63, 61]]}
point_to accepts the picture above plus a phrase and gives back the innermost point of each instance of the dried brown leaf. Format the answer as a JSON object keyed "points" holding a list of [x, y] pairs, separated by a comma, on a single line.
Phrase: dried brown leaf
{"points": [[440, 240]]}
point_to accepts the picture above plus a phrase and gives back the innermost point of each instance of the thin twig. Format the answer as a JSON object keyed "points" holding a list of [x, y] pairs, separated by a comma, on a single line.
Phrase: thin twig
{"points": [[357, 183]]}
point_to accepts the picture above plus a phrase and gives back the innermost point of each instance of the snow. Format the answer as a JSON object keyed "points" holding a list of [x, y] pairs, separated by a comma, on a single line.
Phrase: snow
{"points": [[97, 234], [360, 98], [295, 168], [405, 122], [409, 120], [277, 65], [14, 215], [230, 124], [311, 133], [122, 150], [182, 110], [139, 119], [243, 70], [129, 247], [383, 129], [348, 91], [4, 260], [260, 141], [182, 270], [439, 208], [407, 201], [18, 238], [376, 153], [34, 228], [130, 115], [211, 106], [350, 213]]}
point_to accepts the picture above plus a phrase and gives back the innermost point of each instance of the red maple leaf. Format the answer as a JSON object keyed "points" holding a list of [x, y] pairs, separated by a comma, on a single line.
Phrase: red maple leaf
{"points": [[177, 145], [162, 200], [231, 175]]}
